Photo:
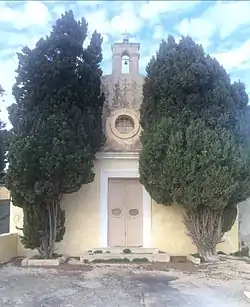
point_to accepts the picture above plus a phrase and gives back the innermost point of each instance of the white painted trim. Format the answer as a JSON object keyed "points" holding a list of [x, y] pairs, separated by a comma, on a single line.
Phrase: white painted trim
{"points": [[118, 155], [6, 234], [147, 219], [104, 176]]}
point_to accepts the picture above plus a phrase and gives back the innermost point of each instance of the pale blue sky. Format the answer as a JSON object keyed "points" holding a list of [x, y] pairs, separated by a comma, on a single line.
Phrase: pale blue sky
{"points": [[222, 27]]}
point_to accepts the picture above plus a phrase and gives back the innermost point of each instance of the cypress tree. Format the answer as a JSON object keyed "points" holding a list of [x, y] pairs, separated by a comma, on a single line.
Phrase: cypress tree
{"points": [[57, 127], [194, 150]]}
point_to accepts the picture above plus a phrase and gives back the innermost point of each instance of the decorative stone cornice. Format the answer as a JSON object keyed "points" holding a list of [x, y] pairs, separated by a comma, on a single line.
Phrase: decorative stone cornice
{"points": [[118, 155]]}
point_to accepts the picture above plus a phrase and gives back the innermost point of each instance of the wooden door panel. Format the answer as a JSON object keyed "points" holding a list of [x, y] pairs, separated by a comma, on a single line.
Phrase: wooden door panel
{"points": [[116, 212], [134, 214]]}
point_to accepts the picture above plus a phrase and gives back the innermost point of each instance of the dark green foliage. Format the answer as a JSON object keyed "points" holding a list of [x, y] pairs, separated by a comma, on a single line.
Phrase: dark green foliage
{"points": [[99, 251], [4, 136], [37, 219], [126, 251], [182, 78], [195, 150], [111, 260], [229, 216], [140, 260], [221, 253], [57, 119], [244, 252], [193, 165]]}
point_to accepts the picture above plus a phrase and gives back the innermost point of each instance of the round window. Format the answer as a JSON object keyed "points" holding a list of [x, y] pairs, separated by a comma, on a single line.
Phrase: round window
{"points": [[124, 124]]}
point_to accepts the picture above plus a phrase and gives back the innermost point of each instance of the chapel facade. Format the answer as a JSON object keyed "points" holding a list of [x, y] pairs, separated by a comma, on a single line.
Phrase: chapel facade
{"points": [[115, 210]]}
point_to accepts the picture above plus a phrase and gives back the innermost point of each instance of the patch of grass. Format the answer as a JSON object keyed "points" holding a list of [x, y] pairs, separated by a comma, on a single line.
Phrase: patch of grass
{"points": [[108, 252], [140, 260], [98, 251], [38, 257], [115, 260], [127, 251], [98, 261], [54, 256], [244, 252], [221, 253]]}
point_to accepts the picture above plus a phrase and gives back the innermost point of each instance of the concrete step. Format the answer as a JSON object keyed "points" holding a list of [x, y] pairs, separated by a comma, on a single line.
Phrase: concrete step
{"points": [[120, 250], [135, 257]]}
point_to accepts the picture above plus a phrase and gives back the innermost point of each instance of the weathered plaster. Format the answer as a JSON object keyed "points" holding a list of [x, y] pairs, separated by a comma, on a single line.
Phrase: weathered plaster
{"points": [[122, 95]]}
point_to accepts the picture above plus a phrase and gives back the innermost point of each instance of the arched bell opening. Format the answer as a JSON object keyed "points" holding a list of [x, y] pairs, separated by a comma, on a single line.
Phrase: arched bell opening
{"points": [[125, 64]]}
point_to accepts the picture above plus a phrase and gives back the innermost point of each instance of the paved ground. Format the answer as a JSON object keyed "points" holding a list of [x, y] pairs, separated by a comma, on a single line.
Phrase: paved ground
{"points": [[123, 286]]}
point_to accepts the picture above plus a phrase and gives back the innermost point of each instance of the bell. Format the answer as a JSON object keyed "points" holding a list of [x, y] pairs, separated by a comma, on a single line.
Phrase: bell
{"points": [[125, 62]]}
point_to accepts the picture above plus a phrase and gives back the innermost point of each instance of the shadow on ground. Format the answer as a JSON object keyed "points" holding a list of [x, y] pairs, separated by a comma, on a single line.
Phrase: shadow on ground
{"points": [[111, 286]]}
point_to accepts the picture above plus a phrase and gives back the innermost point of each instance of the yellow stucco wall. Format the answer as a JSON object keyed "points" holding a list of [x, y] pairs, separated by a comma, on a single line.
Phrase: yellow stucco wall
{"points": [[230, 242], [16, 219], [11, 247], [169, 232], [82, 210], [8, 247], [83, 216]]}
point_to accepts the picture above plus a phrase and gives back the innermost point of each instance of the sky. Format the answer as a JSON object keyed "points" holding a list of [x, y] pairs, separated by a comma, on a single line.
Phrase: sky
{"points": [[222, 27]]}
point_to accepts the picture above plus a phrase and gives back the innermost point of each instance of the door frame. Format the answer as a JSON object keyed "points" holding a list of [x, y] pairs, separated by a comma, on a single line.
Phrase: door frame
{"points": [[146, 200]]}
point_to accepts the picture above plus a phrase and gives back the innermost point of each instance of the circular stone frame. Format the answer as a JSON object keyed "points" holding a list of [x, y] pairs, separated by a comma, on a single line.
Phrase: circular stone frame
{"points": [[130, 114]]}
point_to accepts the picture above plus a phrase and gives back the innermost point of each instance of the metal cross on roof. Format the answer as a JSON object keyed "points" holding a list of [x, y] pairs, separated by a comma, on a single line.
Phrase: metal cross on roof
{"points": [[126, 36]]}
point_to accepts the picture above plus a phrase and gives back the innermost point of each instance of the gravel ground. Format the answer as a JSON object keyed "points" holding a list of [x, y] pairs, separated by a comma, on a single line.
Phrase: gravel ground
{"points": [[125, 286]]}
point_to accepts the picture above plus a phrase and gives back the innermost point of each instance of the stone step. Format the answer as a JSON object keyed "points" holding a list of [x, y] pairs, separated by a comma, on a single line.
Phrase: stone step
{"points": [[119, 250], [158, 257]]}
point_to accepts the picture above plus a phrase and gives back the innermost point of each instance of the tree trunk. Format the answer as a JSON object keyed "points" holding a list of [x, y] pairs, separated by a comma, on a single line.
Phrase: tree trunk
{"points": [[51, 229], [204, 228], [207, 254]]}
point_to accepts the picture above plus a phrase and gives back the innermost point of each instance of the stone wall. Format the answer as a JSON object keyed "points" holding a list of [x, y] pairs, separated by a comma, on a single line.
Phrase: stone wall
{"points": [[123, 96]]}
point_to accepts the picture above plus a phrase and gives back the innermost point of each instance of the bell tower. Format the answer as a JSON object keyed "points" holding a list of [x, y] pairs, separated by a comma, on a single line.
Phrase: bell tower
{"points": [[125, 57], [123, 93]]}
